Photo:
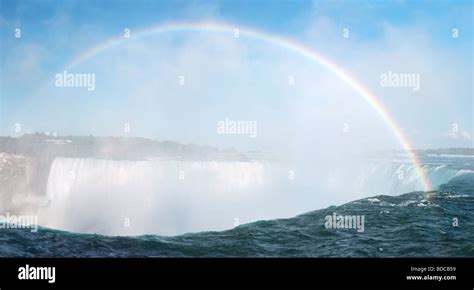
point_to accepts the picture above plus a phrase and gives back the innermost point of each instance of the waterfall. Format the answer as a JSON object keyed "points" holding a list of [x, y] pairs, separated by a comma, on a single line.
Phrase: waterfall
{"points": [[155, 196], [171, 197]]}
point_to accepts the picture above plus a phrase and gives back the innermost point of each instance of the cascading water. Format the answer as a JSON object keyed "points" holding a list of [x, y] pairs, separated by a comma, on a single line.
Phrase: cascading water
{"points": [[394, 178], [138, 197], [170, 197]]}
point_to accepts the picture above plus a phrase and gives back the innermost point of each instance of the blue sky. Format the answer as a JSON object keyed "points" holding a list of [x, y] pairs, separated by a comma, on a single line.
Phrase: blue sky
{"points": [[403, 36]]}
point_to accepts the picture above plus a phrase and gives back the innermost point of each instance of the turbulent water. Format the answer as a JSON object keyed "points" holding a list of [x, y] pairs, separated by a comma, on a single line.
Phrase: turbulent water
{"points": [[415, 224]]}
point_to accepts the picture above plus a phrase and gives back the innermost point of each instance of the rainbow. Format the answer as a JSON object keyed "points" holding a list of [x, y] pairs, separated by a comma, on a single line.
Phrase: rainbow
{"points": [[282, 42]]}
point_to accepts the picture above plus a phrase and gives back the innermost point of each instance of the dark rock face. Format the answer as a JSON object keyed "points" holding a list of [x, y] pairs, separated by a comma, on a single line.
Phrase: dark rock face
{"points": [[22, 181]]}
